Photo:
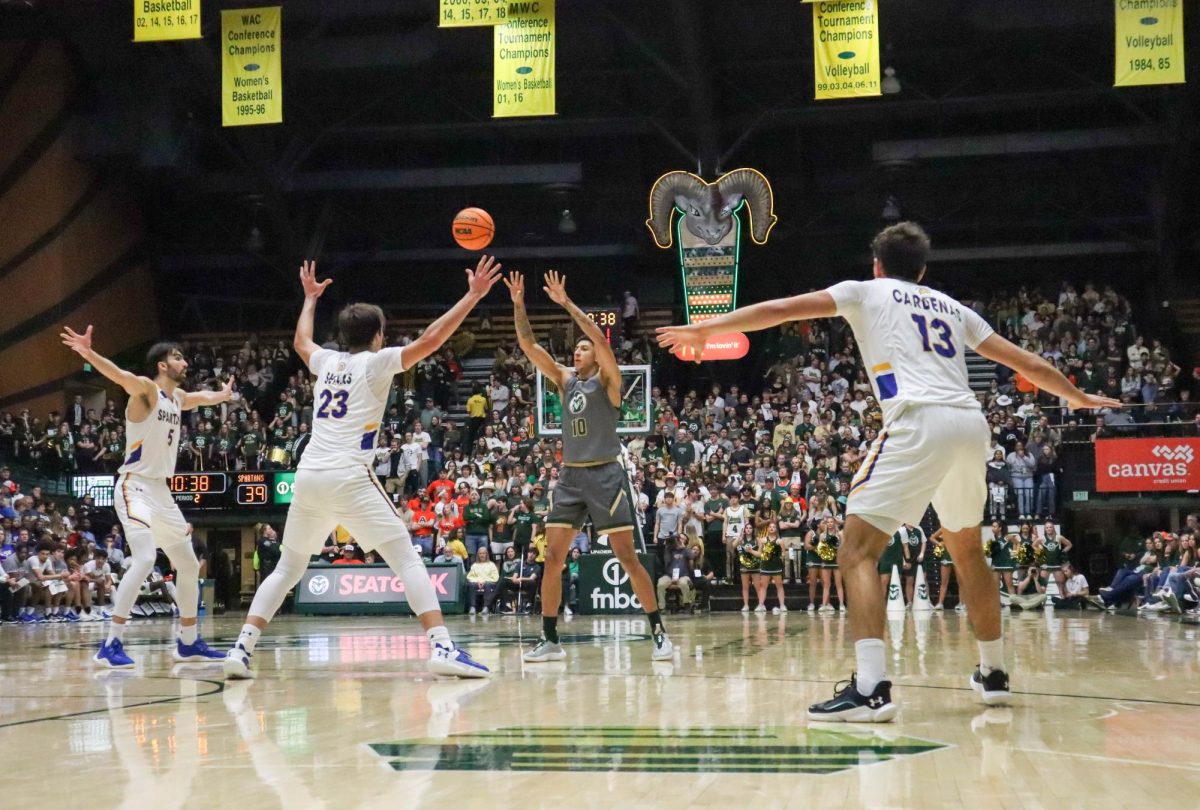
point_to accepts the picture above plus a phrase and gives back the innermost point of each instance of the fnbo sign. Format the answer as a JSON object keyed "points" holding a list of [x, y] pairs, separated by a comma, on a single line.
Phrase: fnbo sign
{"points": [[605, 587]]}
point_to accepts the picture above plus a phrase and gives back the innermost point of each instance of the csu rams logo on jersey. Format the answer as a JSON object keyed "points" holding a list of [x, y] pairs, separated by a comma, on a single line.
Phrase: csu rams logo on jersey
{"points": [[578, 402]]}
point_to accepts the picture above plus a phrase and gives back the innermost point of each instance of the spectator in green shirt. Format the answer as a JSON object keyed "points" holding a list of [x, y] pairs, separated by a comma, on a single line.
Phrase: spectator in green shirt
{"points": [[478, 521], [523, 520]]}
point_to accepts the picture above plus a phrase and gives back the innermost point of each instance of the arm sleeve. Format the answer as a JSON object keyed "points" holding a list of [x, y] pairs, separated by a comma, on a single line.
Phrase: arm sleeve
{"points": [[975, 329], [848, 295]]}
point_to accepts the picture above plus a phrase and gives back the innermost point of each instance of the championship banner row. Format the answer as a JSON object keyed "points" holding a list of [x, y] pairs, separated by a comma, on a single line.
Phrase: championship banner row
{"points": [[1149, 49]]}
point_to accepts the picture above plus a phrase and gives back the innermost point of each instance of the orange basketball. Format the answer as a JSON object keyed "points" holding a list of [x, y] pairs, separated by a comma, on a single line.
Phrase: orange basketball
{"points": [[473, 228]]}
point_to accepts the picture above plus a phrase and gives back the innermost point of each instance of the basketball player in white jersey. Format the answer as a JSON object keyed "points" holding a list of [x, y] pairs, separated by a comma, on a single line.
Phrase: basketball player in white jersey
{"points": [[912, 340], [144, 504], [335, 482]]}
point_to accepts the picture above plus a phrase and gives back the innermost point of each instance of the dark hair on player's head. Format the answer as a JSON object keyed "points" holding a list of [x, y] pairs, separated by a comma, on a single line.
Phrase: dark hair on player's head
{"points": [[159, 353], [902, 249], [585, 339], [358, 324]]}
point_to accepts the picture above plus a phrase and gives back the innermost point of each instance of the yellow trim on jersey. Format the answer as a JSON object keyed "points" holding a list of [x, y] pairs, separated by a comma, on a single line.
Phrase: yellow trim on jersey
{"points": [[589, 463], [382, 491], [371, 427], [135, 446], [881, 367], [125, 495], [571, 526]]}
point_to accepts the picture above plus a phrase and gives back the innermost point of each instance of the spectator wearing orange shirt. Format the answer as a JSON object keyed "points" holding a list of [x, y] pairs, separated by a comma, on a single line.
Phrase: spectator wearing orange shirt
{"points": [[424, 525], [349, 556]]}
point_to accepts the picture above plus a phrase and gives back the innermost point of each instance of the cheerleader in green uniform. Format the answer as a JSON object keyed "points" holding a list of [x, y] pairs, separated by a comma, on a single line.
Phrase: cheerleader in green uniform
{"points": [[813, 565], [1003, 562], [942, 555], [828, 540], [893, 555], [749, 562], [1054, 550], [1026, 572], [770, 552]]}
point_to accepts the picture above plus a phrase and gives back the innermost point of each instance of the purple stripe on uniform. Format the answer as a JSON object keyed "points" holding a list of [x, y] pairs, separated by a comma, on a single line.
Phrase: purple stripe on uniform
{"points": [[882, 441]]}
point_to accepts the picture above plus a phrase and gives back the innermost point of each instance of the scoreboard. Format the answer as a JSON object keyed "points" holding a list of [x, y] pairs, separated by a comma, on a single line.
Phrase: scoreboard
{"points": [[609, 321], [231, 490]]}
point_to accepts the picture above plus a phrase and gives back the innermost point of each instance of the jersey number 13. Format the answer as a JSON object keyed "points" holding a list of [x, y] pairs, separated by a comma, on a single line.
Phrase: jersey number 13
{"points": [[942, 343]]}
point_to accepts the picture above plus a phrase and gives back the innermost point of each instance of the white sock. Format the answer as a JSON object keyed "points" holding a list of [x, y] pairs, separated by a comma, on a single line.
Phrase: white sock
{"points": [[248, 637], [116, 632], [869, 653], [991, 655], [440, 636], [187, 633]]}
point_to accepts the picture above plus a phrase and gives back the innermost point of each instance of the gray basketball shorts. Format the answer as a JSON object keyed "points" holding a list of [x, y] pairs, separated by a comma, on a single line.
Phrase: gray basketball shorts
{"points": [[601, 491]]}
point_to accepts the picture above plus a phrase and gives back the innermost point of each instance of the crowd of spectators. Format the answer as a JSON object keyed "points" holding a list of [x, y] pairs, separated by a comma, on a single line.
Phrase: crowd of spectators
{"points": [[725, 466]]}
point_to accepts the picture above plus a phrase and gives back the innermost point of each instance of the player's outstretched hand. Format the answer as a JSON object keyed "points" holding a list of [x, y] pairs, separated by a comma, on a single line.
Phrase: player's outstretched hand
{"points": [[516, 286], [485, 274], [228, 390], [308, 279], [688, 339], [1091, 402], [556, 287], [82, 344]]}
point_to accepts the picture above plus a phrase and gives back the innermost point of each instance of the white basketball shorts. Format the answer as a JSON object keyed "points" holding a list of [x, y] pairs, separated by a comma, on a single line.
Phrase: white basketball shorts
{"points": [[351, 497], [148, 513], [927, 454]]}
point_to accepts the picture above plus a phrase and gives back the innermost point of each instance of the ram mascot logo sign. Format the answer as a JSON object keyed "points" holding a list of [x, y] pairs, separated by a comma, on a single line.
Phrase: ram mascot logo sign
{"points": [[709, 233]]}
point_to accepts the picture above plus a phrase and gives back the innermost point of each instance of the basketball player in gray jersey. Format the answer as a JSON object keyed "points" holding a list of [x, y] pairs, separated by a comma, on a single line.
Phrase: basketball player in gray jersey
{"points": [[593, 482]]}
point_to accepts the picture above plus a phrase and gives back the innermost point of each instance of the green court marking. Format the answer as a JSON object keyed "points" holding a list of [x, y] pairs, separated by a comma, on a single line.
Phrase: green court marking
{"points": [[647, 749]]}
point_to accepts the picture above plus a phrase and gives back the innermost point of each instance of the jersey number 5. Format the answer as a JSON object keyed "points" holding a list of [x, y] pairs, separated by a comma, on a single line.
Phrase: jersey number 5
{"points": [[339, 408], [943, 344]]}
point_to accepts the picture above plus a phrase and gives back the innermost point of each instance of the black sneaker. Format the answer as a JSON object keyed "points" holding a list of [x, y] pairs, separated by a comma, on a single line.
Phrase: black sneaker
{"points": [[993, 687], [849, 706]]}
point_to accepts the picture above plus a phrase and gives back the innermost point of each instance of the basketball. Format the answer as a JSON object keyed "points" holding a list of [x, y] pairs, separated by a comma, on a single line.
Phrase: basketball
{"points": [[473, 228]]}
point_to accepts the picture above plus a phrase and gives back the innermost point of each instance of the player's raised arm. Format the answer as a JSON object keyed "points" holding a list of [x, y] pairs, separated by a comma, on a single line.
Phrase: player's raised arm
{"points": [[313, 289], [556, 288], [1040, 373], [198, 399], [133, 384], [479, 283], [749, 319], [525, 338]]}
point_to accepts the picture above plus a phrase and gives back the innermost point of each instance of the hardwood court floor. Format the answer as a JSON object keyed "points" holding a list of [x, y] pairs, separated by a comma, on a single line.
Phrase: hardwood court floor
{"points": [[344, 715]]}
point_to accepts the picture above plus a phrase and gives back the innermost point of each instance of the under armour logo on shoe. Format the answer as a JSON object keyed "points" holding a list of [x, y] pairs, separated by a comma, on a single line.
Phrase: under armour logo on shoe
{"points": [[875, 702]]}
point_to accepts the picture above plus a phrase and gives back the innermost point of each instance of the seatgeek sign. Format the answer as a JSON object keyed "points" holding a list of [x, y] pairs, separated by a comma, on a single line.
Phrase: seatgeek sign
{"points": [[1147, 465], [370, 585]]}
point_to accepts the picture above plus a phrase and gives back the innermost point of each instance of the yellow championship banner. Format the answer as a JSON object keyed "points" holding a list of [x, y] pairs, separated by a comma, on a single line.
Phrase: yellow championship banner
{"points": [[251, 76], [155, 20], [1149, 42], [524, 60], [463, 13], [846, 48]]}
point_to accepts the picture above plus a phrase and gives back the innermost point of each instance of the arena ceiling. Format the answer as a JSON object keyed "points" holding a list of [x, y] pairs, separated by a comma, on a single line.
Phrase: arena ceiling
{"points": [[1007, 140]]}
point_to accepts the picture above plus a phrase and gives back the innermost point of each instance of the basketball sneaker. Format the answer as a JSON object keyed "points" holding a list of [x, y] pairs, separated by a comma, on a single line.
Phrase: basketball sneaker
{"points": [[112, 655], [237, 664], [993, 687], [197, 651], [850, 706], [664, 650], [456, 662], [545, 651]]}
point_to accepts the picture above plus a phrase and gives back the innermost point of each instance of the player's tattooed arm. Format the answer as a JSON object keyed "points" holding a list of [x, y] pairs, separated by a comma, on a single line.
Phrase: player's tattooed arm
{"points": [[556, 288], [526, 339]]}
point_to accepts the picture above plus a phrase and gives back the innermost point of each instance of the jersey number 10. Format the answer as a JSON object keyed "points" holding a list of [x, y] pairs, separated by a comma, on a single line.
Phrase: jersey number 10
{"points": [[579, 427], [943, 344]]}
